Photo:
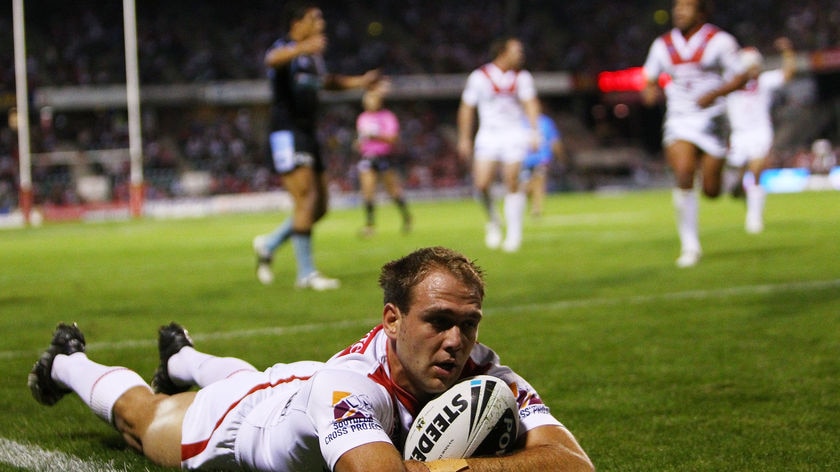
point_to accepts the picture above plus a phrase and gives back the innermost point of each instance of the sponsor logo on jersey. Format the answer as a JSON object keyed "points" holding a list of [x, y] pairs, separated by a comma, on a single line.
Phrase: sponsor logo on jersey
{"points": [[530, 404], [347, 405]]}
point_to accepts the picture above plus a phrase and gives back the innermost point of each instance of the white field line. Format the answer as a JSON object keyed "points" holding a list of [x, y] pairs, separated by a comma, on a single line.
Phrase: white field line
{"points": [[35, 459], [493, 311], [594, 219], [719, 293], [151, 342]]}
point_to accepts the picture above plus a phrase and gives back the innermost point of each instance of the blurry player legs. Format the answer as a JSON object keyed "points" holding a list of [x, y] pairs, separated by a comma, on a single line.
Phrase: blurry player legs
{"points": [[748, 151], [505, 149], [691, 145], [691, 142]]}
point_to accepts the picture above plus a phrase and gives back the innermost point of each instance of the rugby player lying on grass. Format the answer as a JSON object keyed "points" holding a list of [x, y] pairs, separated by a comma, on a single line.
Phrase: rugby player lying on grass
{"points": [[350, 413]]}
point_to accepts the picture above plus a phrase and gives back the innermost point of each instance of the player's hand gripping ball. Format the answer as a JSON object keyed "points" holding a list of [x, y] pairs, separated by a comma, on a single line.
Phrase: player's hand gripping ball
{"points": [[476, 417]]}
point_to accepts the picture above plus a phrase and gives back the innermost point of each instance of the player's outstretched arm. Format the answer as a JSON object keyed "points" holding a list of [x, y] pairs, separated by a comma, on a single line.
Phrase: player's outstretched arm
{"points": [[282, 55], [345, 82], [374, 457], [547, 448], [785, 47]]}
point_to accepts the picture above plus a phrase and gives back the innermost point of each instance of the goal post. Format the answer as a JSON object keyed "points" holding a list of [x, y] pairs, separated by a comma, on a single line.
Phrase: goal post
{"points": [[135, 137], [132, 86], [21, 120]]}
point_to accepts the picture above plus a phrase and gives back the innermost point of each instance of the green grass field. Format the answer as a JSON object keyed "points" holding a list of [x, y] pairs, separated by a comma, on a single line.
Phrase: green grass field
{"points": [[732, 365]]}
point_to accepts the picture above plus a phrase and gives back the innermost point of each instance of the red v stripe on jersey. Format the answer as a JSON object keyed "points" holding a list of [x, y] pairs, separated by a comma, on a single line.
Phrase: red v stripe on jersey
{"points": [[708, 31], [496, 88]]}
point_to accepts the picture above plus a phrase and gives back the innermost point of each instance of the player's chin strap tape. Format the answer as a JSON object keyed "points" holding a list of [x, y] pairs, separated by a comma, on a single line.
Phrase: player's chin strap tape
{"points": [[448, 465]]}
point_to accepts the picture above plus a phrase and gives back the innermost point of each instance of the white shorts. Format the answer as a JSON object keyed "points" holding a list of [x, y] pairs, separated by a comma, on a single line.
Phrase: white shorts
{"points": [[704, 129], [219, 413], [750, 145], [507, 146]]}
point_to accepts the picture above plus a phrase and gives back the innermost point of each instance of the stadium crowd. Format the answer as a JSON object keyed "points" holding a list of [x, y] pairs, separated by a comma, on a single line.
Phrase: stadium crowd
{"points": [[195, 41]]}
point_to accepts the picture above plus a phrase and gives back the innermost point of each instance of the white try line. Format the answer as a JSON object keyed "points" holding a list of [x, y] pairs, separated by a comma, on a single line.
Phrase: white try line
{"points": [[595, 219], [718, 293], [35, 459], [151, 342]]}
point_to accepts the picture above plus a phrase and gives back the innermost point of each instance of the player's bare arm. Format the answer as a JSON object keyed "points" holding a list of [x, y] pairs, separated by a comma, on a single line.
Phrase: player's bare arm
{"points": [[532, 111], [346, 82], [651, 93], [466, 125], [547, 448], [736, 83], [282, 55], [373, 457], [785, 47]]}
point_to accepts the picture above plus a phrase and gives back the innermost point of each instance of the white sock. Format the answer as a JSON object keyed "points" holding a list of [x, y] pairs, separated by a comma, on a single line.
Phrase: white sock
{"points": [[686, 205], [99, 386], [756, 196], [191, 367], [514, 208]]}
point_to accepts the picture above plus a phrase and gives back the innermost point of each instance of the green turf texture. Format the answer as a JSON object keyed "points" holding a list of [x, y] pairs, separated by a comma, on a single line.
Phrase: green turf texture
{"points": [[731, 365]]}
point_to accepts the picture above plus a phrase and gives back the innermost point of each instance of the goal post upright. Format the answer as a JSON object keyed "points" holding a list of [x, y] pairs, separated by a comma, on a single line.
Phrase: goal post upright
{"points": [[132, 86], [22, 112]]}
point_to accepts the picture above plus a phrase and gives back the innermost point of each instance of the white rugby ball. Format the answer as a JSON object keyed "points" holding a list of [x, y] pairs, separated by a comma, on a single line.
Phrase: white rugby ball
{"points": [[478, 416]]}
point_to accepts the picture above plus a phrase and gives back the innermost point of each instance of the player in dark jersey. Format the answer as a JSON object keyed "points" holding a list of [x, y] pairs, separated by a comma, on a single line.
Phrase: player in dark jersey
{"points": [[297, 73]]}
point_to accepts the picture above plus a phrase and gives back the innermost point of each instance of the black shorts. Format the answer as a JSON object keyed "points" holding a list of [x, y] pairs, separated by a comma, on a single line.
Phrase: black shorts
{"points": [[378, 164], [290, 149]]}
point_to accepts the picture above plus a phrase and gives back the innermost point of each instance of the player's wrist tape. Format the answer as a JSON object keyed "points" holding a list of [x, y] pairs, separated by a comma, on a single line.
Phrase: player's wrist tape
{"points": [[448, 465]]}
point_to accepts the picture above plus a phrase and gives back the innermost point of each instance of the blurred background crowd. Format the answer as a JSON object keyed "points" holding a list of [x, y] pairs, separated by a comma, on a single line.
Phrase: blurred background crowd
{"points": [[193, 42]]}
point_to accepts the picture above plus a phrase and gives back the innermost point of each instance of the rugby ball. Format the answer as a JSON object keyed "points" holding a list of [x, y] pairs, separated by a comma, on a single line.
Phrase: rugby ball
{"points": [[478, 416]]}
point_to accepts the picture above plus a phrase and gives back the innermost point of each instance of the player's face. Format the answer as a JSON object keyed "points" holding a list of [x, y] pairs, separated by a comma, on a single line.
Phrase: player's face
{"points": [[435, 338], [313, 22], [516, 54], [372, 101], [686, 14]]}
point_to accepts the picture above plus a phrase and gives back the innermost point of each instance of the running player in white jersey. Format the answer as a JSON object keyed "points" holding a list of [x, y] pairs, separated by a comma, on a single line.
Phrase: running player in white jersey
{"points": [[350, 414], [748, 110], [504, 95], [703, 65]]}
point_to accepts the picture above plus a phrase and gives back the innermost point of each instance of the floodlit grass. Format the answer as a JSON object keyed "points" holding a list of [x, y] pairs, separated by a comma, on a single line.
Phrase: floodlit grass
{"points": [[730, 365]]}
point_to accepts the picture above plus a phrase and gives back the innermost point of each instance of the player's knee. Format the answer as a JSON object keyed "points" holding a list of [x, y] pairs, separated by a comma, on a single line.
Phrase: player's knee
{"points": [[711, 191]]}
